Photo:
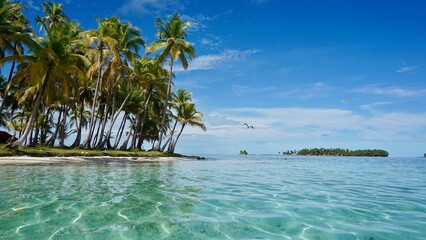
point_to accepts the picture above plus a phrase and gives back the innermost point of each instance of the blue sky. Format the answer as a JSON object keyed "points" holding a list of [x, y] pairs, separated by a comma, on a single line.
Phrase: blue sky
{"points": [[347, 74]]}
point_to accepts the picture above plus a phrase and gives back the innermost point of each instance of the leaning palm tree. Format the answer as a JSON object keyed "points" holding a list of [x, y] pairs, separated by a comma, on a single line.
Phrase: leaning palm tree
{"points": [[12, 21], [181, 98], [173, 47], [104, 37], [47, 66], [187, 115], [117, 72], [152, 76]]}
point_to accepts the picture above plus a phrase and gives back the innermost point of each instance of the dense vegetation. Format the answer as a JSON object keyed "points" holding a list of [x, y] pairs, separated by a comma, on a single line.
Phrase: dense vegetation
{"points": [[70, 82], [243, 152], [338, 152]]}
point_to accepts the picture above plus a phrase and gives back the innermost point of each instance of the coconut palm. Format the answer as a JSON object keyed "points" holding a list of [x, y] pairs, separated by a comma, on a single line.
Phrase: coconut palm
{"points": [[117, 73], [12, 21], [188, 115], [54, 14], [173, 47], [103, 37], [181, 98], [152, 76], [48, 66]]}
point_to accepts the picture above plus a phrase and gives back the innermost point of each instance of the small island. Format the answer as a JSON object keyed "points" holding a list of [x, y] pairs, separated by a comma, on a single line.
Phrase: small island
{"points": [[243, 152], [338, 152]]}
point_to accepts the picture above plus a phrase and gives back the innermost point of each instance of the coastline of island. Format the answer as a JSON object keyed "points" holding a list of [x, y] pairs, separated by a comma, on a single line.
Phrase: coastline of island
{"points": [[338, 152], [40, 155]]}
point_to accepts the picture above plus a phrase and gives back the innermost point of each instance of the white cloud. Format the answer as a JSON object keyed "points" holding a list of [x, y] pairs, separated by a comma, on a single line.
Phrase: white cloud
{"points": [[303, 92], [393, 91], [212, 41], [198, 22], [149, 6], [373, 106], [406, 69], [213, 61], [309, 91], [276, 128]]}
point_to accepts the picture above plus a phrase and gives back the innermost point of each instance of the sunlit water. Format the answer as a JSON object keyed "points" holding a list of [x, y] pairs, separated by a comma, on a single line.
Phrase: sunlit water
{"points": [[223, 197]]}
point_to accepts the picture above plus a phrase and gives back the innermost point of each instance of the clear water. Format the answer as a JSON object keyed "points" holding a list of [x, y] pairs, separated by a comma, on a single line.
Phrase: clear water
{"points": [[227, 197]]}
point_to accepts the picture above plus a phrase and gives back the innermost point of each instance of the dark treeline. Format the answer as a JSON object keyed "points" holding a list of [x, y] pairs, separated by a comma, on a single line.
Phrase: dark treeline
{"points": [[98, 88], [338, 152]]}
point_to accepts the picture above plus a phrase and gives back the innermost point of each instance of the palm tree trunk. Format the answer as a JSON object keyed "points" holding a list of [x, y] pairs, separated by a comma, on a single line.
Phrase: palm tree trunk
{"points": [[63, 124], [52, 139], [145, 111], [114, 118], [104, 121], [124, 145], [171, 135], [173, 145], [34, 112], [98, 82], [80, 125], [166, 106], [12, 68], [43, 132], [136, 127], [100, 119], [120, 131], [30, 140]]}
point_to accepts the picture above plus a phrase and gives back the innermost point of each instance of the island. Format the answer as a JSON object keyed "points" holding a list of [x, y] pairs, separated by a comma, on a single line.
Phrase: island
{"points": [[338, 152], [243, 152]]}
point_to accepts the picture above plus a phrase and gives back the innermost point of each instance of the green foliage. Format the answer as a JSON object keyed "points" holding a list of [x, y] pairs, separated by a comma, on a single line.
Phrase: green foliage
{"points": [[290, 152], [339, 152], [243, 152], [70, 80], [69, 152]]}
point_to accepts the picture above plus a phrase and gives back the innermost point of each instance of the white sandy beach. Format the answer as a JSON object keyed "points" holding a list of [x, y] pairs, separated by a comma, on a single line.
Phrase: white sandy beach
{"points": [[52, 160]]}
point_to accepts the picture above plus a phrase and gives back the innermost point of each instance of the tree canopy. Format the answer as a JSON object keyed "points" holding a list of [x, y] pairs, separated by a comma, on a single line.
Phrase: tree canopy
{"points": [[92, 88]]}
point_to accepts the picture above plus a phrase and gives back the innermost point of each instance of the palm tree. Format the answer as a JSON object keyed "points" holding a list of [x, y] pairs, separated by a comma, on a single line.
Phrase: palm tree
{"points": [[187, 115], [152, 82], [181, 98], [174, 47], [54, 14], [117, 73], [49, 65], [12, 21], [103, 37]]}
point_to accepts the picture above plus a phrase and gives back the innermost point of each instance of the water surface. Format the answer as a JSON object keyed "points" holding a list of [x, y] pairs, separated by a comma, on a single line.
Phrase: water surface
{"points": [[223, 197]]}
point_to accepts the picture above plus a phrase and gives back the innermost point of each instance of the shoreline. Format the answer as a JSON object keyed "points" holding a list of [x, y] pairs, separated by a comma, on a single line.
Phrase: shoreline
{"points": [[19, 160]]}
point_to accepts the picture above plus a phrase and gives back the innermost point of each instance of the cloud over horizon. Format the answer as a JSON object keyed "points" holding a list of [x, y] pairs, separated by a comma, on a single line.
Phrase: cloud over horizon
{"points": [[307, 127]]}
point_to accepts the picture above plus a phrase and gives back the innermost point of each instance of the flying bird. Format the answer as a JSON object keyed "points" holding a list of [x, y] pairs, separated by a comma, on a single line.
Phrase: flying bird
{"points": [[248, 126]]}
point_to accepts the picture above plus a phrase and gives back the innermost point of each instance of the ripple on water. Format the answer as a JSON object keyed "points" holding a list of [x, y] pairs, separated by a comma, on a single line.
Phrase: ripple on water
{"points": [[263, 197]]}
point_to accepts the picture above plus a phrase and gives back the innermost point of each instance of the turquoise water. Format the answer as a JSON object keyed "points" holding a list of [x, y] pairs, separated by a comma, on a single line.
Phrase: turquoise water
{"points": [[223, 197]]}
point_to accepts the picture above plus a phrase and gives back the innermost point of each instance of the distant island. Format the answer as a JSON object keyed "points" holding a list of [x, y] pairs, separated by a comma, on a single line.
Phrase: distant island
{"points": [[338, 152], [243, 152]]}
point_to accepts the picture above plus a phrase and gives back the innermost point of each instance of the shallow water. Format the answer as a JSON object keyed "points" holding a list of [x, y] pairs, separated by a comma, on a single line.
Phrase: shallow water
{"points": [[223, 197]]}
